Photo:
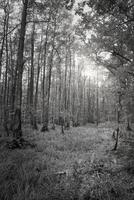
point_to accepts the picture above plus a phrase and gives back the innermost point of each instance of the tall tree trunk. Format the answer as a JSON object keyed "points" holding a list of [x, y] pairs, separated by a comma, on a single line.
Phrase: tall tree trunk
{"points": [[37, 83], [17, 129], [32, 114], [59, 91], [5, 111], [69, 80], [97, 101], [46, 119], [3, 40], [44, 71], [73, 91], [53, 101], [117, 131], [65, 78], [13, 74]]}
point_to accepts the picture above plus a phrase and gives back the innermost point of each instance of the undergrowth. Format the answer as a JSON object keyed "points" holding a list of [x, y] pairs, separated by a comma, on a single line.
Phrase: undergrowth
{"points": [[78, 165]]}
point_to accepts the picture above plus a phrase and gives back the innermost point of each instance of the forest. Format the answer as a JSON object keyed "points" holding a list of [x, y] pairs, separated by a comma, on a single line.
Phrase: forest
{"points": [[66, 99]]}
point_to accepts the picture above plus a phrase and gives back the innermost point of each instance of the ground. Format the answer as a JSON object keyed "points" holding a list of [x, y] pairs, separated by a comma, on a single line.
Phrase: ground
{"points": [[79, 164]]}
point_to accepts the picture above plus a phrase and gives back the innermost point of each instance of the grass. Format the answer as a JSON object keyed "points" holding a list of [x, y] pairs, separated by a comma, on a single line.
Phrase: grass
{"points": [[76, 165]]}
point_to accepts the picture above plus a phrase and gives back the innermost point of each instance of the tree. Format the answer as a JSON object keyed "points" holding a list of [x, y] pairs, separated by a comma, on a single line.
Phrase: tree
{"points": [[17, 90], [110, 29]]}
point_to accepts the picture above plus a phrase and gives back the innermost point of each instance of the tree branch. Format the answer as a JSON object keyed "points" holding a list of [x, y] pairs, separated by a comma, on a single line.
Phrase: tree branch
{"points": [[114, 53], [38, 21], [13, 29]]}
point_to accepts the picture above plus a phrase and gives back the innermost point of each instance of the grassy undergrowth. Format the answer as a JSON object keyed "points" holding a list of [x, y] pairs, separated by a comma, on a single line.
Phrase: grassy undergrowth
{"points": [[76, 165]]}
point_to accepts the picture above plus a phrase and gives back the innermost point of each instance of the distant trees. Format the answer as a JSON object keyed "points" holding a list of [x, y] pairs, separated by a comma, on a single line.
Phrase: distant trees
{"points": [[42, 69], [31, 63], [110, 25], [16, 93]]}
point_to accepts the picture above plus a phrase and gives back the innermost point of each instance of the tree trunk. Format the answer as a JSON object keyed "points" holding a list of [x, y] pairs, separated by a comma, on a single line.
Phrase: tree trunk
{"points": [[117, 131], [19, 70], [44, 71], [3, 40], [65, 79], [32, 111], [5, 111], [97, 101], [37, 84], [46, 116]]}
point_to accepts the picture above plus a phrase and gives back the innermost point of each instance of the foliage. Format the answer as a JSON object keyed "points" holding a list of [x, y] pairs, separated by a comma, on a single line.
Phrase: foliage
{"points": [[111, 30]]}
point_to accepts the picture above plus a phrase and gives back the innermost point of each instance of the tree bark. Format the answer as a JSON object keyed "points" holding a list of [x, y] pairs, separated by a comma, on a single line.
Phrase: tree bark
{"points": [[46, 116], [117, 131], [32, 111], [44, 71], [5, 111], [19, 71], [3, 39], [37, 84]]}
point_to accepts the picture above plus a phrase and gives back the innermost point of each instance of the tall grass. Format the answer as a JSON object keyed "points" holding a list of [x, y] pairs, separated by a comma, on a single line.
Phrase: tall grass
{"points": [[74, 166]]}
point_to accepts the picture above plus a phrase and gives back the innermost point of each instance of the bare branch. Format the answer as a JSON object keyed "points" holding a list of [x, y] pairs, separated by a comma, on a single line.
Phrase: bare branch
{"points": [[115, 53]]}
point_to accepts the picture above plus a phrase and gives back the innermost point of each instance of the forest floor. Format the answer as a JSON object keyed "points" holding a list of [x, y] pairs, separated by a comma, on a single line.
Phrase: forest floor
{"points": [[77, 165]]}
